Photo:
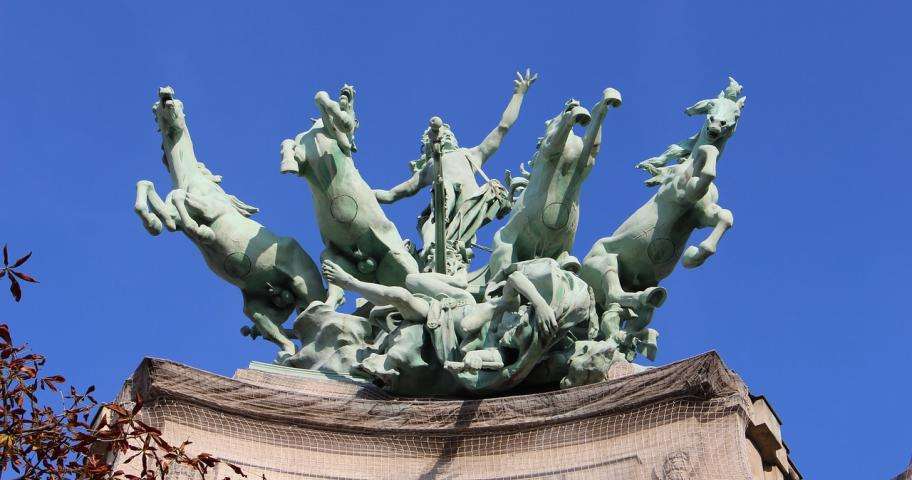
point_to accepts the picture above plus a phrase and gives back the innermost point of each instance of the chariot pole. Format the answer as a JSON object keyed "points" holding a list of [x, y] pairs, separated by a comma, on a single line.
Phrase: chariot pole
{"points": [[439, 198]]}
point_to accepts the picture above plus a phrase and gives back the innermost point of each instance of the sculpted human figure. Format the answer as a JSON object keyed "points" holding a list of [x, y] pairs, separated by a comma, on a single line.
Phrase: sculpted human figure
{"points": [[722, 115], [274, 273], [356, 232], [544, 219], [468, 205], [487, 347]]}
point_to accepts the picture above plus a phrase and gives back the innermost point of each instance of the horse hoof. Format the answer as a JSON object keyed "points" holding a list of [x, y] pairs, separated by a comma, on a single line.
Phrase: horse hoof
{"points": [[153, 226], [282, 358], [654, 296], [694, 257]]}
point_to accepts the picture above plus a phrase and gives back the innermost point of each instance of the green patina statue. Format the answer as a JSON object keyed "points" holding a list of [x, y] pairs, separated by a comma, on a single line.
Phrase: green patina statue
{"points": [[533, 317], [722, 114], [275, 275], [468, 206], [545, 217], [356, 232]]}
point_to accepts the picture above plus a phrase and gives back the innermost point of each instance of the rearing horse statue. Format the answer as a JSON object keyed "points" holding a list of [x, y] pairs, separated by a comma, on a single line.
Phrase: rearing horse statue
{"points": [[626, 267], [357, 234], [275, 275], [544, 219]]}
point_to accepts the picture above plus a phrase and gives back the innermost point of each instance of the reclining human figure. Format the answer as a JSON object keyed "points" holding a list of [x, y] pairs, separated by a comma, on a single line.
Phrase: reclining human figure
{"points": [[357, 234], [487, 347], [544, 219]]}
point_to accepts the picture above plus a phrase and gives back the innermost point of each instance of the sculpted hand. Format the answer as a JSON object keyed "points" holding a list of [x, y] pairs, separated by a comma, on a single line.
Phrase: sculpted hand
{"points": [[547, 321], [523, 82], [650, 164]]}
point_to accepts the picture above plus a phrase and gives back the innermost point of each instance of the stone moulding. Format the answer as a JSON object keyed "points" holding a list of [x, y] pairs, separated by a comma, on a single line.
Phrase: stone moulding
{"points": [[693, 418], [703, 377]]}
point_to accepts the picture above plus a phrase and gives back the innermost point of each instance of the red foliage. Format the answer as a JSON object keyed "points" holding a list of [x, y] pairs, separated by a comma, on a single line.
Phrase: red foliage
{"points": [[37, 441], [9, 271]]}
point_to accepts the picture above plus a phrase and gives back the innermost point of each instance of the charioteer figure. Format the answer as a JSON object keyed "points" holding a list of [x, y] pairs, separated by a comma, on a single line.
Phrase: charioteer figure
{"points": [[468, 206]]}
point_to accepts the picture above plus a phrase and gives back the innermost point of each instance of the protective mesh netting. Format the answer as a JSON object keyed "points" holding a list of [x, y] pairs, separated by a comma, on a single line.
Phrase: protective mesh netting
{"points": [[685, 420]]}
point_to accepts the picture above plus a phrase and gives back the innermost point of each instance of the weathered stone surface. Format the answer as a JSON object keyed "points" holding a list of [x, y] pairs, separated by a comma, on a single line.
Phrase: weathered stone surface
{"points": [[684, 420]]}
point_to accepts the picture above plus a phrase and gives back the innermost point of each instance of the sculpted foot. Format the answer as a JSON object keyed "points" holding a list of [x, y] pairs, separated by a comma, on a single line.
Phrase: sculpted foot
{"points": [[335, 275]]}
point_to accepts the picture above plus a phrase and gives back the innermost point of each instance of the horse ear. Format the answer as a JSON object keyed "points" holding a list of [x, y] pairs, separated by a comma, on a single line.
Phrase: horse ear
{"points": [[700, 107], [740, 102], [721, 94]]}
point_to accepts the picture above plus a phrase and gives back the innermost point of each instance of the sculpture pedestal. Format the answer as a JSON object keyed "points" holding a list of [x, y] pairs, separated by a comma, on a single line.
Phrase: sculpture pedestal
{"points": [[693, 419]]}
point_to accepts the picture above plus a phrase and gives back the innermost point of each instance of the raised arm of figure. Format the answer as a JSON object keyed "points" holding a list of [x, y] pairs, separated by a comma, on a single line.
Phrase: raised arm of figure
{"points": [[405, 189], [481, 153]]}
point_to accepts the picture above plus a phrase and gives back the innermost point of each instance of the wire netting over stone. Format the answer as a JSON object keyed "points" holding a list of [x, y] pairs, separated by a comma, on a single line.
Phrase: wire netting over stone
{"points": [[684, 420]]}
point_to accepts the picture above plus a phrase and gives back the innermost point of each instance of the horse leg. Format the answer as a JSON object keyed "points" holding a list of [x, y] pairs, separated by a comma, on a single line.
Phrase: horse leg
{"points": [[306, 281], [713, 216], [289, 162], [592, 139], [703, 171], [614, 292], [189, 225], [144, 191], [268, 321]]}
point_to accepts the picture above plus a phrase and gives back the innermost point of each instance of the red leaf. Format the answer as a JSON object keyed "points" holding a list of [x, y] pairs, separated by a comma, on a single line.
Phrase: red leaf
{"points": [[236, 469], [15, 289], [2, 272], [22, 260], [138, 405], [5, 334], [118, 409], [25, 276]]}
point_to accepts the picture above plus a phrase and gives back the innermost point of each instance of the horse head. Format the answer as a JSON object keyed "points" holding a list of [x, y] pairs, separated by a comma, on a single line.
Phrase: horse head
{"points": [[559, 128], [169, 113], [722, 113]]}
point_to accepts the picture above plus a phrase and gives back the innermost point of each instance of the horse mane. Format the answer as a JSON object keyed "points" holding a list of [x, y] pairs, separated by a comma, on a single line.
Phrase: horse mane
{"points": [[241, 207]]}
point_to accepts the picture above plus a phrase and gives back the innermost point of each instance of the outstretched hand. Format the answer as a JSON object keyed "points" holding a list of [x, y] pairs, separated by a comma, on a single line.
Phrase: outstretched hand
{"points": [[547, 321], [523, 82], [649, 165]]}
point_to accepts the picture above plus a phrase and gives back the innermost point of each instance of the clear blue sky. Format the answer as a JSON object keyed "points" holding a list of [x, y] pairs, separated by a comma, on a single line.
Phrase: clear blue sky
{"points": [[807, 298]]}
